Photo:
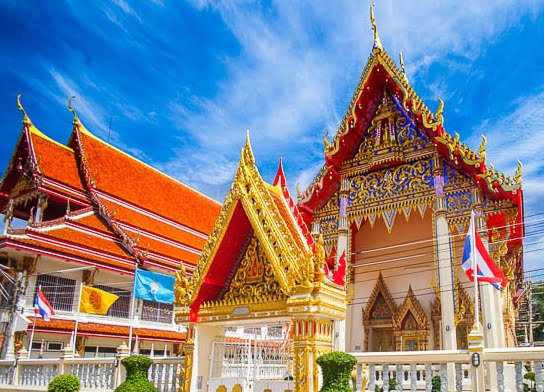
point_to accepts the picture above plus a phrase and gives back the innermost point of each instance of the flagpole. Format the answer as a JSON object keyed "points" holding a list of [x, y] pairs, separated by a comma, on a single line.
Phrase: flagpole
{"points": [[78, 314], [133, 304], [31, 338], [474, 269]]}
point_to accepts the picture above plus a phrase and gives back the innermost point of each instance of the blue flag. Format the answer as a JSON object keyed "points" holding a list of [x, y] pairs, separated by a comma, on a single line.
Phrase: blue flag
{"points": [[154, 287]]}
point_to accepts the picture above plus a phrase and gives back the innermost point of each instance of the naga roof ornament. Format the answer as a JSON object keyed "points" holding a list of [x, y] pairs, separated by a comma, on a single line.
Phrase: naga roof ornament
{"points": [[377, 40], [26, 119]]}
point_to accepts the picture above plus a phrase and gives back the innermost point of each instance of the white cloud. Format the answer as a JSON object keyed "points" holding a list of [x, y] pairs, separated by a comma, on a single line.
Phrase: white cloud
{"points": [[299, 62]]}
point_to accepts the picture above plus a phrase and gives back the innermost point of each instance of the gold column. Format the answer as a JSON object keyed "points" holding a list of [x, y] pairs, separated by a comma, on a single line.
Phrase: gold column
{"points": [[312, 338], [188, 352]]}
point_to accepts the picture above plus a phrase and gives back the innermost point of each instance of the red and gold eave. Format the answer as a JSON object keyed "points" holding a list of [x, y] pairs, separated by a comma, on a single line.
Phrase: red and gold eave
{"points": [[252, 208], [382, 75]]}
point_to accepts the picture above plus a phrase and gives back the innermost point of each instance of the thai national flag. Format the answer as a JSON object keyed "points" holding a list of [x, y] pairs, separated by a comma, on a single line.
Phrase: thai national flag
{"points": [[488, 270], [42, 306]]}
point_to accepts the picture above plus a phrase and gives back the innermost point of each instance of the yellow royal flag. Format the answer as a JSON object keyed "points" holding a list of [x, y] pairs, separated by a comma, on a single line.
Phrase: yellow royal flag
{"points": [[96, 301]]}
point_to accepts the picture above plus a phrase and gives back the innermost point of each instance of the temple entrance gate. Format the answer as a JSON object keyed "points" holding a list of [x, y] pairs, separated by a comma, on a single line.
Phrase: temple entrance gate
{"points": [[260, 266], [255, 359]]}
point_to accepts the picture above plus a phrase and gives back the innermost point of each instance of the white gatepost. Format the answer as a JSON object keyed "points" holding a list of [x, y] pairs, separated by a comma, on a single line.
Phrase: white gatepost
{"points": [[203, 342]]}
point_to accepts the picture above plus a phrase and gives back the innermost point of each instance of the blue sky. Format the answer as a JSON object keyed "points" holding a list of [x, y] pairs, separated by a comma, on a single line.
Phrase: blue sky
{"points": [[180, 82]]}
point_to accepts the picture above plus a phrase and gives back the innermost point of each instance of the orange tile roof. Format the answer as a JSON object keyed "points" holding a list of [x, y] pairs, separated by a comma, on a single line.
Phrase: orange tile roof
{"points": [[56, 161], [115, 330], [123, 176], [149, 224]]}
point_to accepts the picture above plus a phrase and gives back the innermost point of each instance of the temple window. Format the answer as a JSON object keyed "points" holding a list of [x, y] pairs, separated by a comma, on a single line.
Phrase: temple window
{"points": [[157, 312], [121, 307], [60, 292]]}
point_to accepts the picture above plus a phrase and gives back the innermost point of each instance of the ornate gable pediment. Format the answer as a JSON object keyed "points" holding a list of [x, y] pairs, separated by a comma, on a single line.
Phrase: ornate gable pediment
{"points": [[255, 279], [391, 135], [381, 304], [411, 314], [256, 255]]}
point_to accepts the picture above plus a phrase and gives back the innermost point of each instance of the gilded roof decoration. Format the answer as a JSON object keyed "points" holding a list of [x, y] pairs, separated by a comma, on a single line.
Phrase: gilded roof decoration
{"points": [[412, 306], [380, 292], [278, 262], [381, 72]]}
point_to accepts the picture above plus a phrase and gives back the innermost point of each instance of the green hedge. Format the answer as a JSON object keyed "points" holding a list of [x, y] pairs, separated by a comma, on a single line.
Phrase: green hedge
{"points": [[336, 367], [64, 383], [136, 367]]}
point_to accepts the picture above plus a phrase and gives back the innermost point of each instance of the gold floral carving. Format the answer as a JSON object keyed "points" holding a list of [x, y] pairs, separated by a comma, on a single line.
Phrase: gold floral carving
{"points": [[181, 287], [255, 277], [380, 304]]}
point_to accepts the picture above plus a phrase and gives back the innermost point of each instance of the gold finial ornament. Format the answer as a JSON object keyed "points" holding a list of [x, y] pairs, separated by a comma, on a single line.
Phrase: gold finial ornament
{"points": [[71, 109], [481, 150], [326, 142], [377, 40], [517, 175], [247, 154], [439, 112], [298, 190], [401, 62], [26, 119]]}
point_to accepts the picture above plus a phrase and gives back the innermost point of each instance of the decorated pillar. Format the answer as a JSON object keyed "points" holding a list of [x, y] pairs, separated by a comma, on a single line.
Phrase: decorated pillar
{"points": [[340, 333], [312, 338], [188, 352], [444, 262]]}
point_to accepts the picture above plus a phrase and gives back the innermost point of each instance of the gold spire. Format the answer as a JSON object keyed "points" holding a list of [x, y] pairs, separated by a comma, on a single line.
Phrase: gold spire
{"points": [[26, 119], [377, 41], [247, 153], [70, 108]]}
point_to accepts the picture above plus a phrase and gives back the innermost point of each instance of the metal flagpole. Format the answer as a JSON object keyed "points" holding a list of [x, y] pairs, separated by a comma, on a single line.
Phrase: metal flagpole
{"points": [[474, 269], [78, 314], [133, 299], [31, 338]]}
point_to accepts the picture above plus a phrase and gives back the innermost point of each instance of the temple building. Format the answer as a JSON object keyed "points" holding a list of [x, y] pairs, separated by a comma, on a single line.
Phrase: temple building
{"points": [[396, 193], [394, 199], [90, 214]]}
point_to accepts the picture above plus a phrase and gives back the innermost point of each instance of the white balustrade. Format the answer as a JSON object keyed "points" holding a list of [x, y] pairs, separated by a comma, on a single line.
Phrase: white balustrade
{"points": [[414, 371]]}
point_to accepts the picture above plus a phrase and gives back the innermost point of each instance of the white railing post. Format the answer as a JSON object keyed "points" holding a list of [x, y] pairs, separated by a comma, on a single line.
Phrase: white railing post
{"points": [[476, 350], [68, 353], [539, 377], [120, 373], [21, 355]]}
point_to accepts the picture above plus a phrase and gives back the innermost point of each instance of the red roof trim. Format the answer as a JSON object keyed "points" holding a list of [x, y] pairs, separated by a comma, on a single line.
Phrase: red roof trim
{"points": [[39, 250]]}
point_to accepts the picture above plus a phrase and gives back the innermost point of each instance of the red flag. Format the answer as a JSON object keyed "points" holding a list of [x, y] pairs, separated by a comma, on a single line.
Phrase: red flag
{"points": [[339, 276]]}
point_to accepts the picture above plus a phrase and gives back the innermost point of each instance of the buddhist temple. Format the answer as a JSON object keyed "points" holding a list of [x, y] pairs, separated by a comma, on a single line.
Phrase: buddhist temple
{"points": [[387, 214], [89, 214], [395, 193]]}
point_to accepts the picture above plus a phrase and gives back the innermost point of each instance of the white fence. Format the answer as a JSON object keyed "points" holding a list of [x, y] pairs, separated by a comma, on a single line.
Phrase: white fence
{"points": [[95, 374], [414, 371]]}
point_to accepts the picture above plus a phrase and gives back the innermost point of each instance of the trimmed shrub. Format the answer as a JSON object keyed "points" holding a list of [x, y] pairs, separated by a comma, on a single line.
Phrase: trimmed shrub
{"points": [[336, 367], [436, 384], [64, 383], [136, 367]]}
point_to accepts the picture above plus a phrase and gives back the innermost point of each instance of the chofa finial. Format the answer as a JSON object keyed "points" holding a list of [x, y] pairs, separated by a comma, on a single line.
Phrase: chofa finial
{"points": [[517, 175], [71, 109], [377, 41], [26, 119], [401, 62]]}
